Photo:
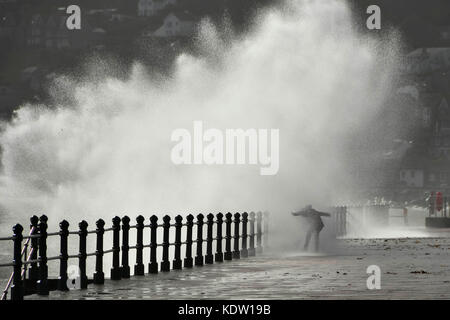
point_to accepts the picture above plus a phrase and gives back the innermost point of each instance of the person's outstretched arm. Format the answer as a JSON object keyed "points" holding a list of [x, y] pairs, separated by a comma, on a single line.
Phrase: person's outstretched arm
{"points": [[322, 214], [298, 213]]}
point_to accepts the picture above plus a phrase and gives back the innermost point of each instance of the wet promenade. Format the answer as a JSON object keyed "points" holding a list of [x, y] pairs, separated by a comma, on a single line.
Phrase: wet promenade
{"points": [[411, 268]]}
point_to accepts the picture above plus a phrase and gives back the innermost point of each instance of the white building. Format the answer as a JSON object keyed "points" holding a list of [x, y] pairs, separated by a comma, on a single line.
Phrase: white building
{"points": [[148, 8], [177, 25]]}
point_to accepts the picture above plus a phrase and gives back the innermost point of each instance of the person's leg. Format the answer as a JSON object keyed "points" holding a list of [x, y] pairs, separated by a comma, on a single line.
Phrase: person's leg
{"points": [[308, 236], [316, 241]]}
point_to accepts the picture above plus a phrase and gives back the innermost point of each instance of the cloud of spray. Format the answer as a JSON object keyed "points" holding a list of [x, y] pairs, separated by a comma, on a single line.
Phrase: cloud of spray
{"points": [[105, 148]]}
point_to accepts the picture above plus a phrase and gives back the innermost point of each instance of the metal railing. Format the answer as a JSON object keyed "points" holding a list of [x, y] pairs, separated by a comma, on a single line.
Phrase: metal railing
{"points": [[340, 220], [28, 259], [244, 244]]}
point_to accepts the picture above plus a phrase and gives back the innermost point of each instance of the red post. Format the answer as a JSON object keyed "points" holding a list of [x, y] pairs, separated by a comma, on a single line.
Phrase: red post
{"points": [[439, 201]]}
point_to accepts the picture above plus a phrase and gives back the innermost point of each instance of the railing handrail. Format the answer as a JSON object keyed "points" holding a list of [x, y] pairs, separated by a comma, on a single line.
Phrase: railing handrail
{"points": [[25, 246]]}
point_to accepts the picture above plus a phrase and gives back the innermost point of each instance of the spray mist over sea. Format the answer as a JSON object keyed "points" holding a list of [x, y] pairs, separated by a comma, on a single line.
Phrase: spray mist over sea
{"points": [[105, 149]]}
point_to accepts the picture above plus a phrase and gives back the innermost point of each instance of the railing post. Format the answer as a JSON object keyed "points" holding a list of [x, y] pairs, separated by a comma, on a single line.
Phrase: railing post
{"points": [[165, 263], [153, 265], [209, 258], [83, 225], [17, 289], [446, 207], [251, 250], [64, 255], [139, 266], [259, 248], [344, 213], [338, 221], [228, 253], [266, 229], [189, 224], [444, 204], [177, 263], [99, 275], [115, 270], [199, 256], [33, 271], [42, 283], [244, 251], [236, 252], [219, 253], [125, 247]]}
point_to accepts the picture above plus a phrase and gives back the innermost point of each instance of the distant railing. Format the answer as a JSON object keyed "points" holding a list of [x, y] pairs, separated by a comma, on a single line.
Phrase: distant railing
{"points": [[340, 221], [245, 243]]}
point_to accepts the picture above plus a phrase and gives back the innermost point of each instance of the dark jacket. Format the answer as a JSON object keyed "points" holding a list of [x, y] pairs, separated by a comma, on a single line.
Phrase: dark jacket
{"points": [[313, 217]]}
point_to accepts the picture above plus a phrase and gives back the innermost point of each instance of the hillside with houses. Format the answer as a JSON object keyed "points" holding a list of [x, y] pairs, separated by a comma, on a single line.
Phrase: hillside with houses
{"points": [[36, 43]]}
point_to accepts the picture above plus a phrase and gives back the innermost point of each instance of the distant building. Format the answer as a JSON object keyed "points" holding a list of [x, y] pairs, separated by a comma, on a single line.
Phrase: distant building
{"points": [[148, 8], [56, 32], [398, 150], [410, 90], [436, 119], [35, 31], [32, 78], [412, 177], [9, 99], [429, 177], [427, 60], [441, 134], [151, 26], [444, 33], [8, 25], [438, 176], [431, 103], [418, 173], [179, 24], [51, 32]]}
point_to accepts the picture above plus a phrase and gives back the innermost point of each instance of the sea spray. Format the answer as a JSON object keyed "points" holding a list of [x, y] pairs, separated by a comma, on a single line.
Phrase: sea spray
{"points": [[104, 147]]}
